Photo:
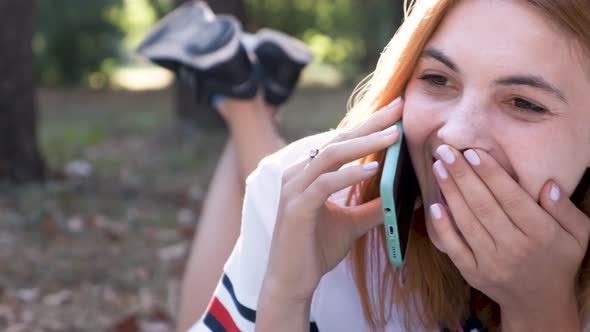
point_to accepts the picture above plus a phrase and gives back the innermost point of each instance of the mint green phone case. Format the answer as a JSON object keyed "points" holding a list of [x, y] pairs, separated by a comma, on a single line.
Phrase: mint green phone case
{"points": [[388, 202]]}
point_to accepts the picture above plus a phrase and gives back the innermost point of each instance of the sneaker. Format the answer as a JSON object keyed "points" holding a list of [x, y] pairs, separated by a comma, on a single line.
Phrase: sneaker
{"points": [[159, 47], [192, 41], [281, 59]]}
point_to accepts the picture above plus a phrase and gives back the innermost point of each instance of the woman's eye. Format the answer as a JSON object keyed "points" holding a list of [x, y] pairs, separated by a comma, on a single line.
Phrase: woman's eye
{"points": [[436, 80], [525, 105]]}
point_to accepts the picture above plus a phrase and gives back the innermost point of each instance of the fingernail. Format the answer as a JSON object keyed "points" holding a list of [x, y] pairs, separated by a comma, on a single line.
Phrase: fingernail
{"points": [[391, 130], [373, 165], [554, 193], [441, 170], [472, 157], [394, 103], [446, 154], [435, 211]]}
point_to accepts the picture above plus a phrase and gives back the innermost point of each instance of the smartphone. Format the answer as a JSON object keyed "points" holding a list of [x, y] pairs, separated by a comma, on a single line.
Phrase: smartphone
{"points": [[399, 189]]}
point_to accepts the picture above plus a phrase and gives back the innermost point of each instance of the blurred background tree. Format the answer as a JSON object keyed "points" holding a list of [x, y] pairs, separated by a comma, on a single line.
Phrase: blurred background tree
{"points": [[77, 42], [347, 34], [84, 43], [20, 159]]}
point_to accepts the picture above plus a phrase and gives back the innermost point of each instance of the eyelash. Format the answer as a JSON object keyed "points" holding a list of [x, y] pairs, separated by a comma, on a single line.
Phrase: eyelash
{"points": [[529, 106], [430, 79], [525, 105]]}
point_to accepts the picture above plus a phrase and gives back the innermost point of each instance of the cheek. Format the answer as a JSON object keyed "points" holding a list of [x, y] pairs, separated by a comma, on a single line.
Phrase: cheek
{"points": [[538, 159], [418, 118], [566, 173], [417, 129], [532, 179]]}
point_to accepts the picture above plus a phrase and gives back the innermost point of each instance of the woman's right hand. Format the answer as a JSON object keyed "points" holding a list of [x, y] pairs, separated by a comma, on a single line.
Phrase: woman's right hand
{"points": [[312, 235]]}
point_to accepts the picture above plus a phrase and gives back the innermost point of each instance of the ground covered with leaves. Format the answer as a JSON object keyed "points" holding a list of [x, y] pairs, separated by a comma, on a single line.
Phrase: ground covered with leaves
{"points": [[102, 245]]}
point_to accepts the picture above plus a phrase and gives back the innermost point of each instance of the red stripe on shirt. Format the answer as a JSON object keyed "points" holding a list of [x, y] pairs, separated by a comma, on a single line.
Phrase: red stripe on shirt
{"points": [[218, 311]]}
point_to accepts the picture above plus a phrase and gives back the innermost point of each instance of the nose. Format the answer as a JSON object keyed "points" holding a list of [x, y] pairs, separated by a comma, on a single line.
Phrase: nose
{"points": [[465, 126]]}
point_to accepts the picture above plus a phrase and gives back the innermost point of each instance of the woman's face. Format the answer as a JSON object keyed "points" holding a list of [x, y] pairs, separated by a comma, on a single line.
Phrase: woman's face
{"points": [[501, 77]]}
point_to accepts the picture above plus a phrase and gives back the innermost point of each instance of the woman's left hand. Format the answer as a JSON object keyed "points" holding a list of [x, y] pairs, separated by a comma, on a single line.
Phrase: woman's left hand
{"points": [[523, 255]]}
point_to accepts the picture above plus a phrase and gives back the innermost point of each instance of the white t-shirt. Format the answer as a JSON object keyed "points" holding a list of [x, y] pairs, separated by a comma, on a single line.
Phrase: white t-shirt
{"points": [[336, 305]]}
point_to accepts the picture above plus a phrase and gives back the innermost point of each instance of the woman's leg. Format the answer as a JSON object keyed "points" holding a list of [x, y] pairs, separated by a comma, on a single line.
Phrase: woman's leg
{"points": [[253, 136], [217, 231], [252, 125]]}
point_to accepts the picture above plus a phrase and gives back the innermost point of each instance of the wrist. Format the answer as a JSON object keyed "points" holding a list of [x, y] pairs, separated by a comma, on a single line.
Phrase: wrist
{"points": [[280, 291], [558, 316], [275, 300], [276, 311]]}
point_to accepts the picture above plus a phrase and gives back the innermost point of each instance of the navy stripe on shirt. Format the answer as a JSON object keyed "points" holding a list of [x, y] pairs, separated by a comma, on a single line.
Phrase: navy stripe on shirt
{"points": [[246, 312], [313, 327], [213, 324]]}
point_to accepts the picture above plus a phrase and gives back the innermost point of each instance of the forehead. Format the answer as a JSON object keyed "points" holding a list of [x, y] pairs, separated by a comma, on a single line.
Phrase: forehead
{"points": [[505, 37]]}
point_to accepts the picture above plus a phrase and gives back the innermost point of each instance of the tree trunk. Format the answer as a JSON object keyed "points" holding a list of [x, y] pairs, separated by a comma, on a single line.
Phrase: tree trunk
{"points": [[382, 18], [20, 160], [192, 106]]}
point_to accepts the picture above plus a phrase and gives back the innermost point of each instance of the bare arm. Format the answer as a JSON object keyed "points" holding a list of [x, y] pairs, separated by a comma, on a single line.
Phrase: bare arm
{"points": [[277, 314]]}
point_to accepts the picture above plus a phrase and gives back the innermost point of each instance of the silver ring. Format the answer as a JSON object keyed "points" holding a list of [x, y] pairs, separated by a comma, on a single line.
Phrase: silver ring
{"points": [[313, 153]]}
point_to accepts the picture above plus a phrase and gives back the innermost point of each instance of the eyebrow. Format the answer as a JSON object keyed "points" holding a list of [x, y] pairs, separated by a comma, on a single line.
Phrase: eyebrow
{"points": [[440, 56], [533, 81]]}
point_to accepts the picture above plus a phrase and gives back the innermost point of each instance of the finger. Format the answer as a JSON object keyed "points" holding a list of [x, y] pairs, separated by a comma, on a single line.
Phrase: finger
{"points": [[473, 231], [450, 240], [328, 183], [480, 200], [569, 216], [377, 121], [336, 155], [365, 217], [295, 169], [516, 202]]}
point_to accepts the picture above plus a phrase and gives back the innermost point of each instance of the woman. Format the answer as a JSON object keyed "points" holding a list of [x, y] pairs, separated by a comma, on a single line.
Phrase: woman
{"points": [[495, 112]]}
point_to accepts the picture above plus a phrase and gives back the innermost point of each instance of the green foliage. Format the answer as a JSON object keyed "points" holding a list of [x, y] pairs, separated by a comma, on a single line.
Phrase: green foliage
{"points": [[75, 43], [349, 34], [135, 18], [161, 7], [83, 42], [70, 141]]}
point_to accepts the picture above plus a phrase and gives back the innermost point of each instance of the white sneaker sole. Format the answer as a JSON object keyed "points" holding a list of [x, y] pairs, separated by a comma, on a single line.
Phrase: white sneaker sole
{"points": [[172, 48]]}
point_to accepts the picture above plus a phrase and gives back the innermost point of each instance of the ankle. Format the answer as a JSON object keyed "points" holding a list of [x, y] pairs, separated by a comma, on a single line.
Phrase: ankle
{"points": [[252, 125], [272, 113], [235, 110]]}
